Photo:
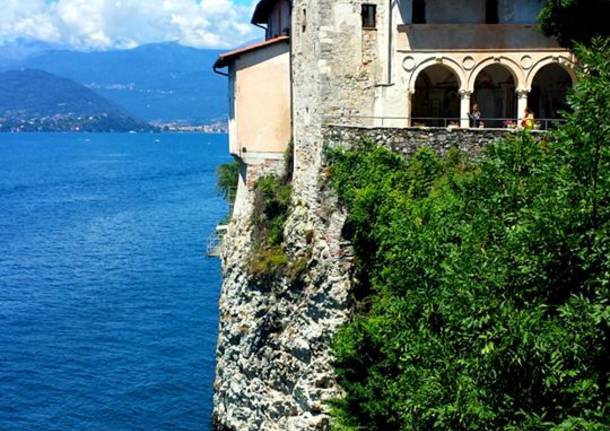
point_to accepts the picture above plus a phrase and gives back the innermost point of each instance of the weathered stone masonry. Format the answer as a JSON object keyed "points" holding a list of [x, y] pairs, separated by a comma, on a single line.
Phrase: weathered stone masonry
{"points": [[408, 141]]}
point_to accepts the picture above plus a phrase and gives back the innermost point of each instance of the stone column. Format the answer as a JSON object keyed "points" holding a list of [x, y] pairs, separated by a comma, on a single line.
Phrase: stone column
{"points": [[465, 108], [521, 104], [409, 109]]}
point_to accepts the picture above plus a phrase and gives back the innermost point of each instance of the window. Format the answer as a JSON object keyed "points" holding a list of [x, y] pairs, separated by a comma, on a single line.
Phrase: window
{"points": [[303, 19], [491, 12], [369, 16], [419, 12]]}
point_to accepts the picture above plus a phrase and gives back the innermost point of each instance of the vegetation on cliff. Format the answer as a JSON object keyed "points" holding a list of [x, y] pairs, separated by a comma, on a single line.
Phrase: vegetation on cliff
{"points": [[271, 204], [227, 178], [484, 296], [272, 194]]}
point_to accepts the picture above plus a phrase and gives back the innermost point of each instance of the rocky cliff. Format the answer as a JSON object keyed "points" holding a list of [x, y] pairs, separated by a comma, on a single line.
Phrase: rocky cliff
{"points": [[274, 363]]}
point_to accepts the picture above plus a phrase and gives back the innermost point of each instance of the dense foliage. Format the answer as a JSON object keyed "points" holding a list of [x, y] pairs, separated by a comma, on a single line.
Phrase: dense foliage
{"points": [[271, 205], [485, 284], [575, 20]]}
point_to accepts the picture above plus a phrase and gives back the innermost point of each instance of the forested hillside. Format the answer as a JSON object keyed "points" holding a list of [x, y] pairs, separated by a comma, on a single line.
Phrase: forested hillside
{"points": [[33, 100]]}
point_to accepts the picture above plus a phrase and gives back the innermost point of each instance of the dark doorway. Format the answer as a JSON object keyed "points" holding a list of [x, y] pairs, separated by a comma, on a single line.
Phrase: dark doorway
{"points": [[436, 102], [549, 93], [495, 93]]}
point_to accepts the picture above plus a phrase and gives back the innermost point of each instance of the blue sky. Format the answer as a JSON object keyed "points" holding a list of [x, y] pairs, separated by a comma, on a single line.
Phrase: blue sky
{"points": [[108, 24]]}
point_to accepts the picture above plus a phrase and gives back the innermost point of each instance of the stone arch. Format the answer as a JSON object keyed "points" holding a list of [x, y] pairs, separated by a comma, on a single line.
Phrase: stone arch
{"points": [[549, 88], [495, 93], [511, 65], [436, 99], [443, 61], [564, 62]]}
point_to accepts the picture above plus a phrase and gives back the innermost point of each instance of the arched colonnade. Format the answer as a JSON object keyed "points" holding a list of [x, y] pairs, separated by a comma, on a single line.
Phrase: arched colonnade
{"points": [[442, 89]]}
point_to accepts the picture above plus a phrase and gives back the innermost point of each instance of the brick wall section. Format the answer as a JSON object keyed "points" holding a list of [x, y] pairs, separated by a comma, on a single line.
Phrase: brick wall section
{"points": [[407, 141]]}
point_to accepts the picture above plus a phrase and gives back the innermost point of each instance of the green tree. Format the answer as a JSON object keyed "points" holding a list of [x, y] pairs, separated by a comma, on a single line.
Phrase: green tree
{"points": [[574, 21], [488, 301]]}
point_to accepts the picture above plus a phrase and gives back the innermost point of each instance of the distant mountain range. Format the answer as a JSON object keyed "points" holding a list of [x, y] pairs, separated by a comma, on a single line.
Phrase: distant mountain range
{"points": [[164, 82], [34, 100], [11, 53]]}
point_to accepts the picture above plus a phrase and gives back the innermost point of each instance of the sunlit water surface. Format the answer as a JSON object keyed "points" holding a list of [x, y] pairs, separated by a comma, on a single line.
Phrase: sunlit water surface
{"points": [[108, 308]]}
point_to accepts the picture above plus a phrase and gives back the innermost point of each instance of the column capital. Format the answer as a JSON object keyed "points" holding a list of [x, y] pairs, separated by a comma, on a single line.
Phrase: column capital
{"points": [[465, 93], [523, 92]]}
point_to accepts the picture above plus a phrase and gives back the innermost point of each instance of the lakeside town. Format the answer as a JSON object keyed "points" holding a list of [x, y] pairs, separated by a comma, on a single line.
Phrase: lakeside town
{"points": [[102, 123]]}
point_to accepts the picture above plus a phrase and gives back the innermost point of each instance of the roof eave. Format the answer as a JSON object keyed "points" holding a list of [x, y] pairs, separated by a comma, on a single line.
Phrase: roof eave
{"points": [[225, 59]]}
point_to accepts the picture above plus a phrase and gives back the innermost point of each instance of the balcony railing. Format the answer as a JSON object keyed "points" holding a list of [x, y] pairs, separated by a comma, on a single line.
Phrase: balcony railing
{"points": [[214, 241], [439, 122]]}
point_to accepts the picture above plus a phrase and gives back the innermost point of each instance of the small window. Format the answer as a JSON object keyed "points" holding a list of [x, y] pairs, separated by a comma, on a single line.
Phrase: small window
{"points": [[369, 16], [491, 12], [304, 19], [419, 12]]}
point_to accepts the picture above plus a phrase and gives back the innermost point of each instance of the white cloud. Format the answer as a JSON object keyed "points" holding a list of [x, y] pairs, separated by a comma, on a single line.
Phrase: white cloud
{"points": [[103, 24]]}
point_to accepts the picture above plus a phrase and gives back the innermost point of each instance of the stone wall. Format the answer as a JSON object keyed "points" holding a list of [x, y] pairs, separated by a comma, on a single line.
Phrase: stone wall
{"points": [[407, 141], [336, 67]]}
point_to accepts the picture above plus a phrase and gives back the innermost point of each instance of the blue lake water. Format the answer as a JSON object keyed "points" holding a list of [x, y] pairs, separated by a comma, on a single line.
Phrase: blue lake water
{"points": [[108, 307]]}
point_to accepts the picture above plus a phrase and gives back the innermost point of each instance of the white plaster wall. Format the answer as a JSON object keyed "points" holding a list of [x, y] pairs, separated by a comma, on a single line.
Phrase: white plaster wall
{"points": [[262, 101], [233, 144]]}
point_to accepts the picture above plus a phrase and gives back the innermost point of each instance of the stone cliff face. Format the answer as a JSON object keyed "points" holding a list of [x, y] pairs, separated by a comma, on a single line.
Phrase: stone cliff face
{"points": [[274, 361]]}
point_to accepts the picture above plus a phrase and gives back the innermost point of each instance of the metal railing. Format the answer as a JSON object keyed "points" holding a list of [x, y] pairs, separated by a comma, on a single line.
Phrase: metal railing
{"points": [[214, 241], [213, 245], [438, 122]]}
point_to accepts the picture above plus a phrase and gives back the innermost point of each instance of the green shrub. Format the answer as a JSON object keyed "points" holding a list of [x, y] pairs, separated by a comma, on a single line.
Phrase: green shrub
{"points": [[271, 203], [227, 177], [485, 285], [268, 262], [572, 21]]}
